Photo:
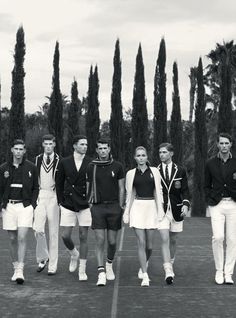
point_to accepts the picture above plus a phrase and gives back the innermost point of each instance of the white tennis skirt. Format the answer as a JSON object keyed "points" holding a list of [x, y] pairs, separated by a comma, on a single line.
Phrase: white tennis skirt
{"points": [[143, 214]]}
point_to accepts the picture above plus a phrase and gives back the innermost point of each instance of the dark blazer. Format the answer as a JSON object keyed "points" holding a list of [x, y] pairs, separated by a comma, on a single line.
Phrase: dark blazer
{"points": [[176, 194], [30, 188], [216, 183], [71, 184], [38, 163]]}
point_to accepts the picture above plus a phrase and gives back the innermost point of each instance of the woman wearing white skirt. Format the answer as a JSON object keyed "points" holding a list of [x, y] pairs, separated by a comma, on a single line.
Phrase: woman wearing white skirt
{"points": [[144, 207]]}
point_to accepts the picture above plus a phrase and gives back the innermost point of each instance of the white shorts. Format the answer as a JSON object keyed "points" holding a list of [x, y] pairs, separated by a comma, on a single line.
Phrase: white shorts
{"points": [[69, 218], [143, 214], [16, 215], [168, 223]]}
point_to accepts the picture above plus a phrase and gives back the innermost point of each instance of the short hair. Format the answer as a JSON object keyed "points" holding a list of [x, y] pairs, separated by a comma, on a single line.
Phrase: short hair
{"points": [[18, 142], [76, 138], [140, 148], [224, 135], [167, 145], [48, 137], [103, 141]]}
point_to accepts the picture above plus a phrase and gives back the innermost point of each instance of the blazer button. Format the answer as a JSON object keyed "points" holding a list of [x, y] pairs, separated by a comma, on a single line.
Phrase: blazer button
{"points": [[73, 186]]}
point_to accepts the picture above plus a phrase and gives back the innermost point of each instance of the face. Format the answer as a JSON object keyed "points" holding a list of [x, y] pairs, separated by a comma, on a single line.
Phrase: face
{"points": [[48, 146], [165, 155], [81, 146], [224, 145], [103, 151], [18, 151], [141, 157]]}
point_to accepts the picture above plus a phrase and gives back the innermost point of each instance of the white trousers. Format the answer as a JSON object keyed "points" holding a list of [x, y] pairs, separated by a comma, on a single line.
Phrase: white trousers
{"points": [[223, 221], [47, 209]]}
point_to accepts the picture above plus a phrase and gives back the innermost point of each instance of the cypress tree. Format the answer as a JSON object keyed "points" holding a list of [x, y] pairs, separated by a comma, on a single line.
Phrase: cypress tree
{"points": [[225, 118], [17, 111], [55, 123], [200, 151], [116, 118], [160, 106], [74, 112], [139, 121], [193, 84], [92, 115], [176, 128]]}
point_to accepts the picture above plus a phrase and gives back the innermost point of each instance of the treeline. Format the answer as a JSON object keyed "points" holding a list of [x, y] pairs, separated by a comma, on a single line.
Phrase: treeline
{"points": [[211, 110]]}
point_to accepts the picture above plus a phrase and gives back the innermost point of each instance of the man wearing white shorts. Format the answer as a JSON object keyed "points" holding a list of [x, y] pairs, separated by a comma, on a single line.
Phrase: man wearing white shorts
{"points": [[18, 195], [47, 208], [71, 192], [176, 204], [220, 189]]}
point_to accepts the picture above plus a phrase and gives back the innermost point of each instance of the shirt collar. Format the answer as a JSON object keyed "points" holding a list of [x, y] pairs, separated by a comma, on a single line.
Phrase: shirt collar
{"points": [[220, 157], [78, 156], [50, 156]]}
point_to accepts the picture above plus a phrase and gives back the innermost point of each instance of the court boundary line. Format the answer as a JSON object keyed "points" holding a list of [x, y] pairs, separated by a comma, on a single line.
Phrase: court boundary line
{"points": [[117, 280]]}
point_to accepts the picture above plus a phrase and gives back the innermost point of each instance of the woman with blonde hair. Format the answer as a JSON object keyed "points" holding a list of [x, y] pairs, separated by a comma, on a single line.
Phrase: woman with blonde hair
{"points": [[144, 207]]}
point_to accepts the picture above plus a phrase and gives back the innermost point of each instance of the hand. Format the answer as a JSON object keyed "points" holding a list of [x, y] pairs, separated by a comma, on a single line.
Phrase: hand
{"points": [[126, 218], [184, 211]]}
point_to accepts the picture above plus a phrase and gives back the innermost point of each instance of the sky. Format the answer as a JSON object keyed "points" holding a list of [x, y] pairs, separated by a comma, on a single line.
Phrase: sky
{"points": [[87, 31]]}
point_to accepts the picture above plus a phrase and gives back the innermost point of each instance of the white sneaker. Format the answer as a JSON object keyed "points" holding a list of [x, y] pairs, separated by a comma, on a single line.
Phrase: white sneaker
{"points": [[169, 274], [229, 280], [74, 261], [109, 272], [82, 275], [101, 279], [140, 274], [145, 281], [219, 277], [15, 265], [19, 275]]}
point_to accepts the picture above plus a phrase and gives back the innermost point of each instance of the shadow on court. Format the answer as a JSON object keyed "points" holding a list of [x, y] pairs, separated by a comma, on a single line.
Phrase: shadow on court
{"points": [[193, 294]]}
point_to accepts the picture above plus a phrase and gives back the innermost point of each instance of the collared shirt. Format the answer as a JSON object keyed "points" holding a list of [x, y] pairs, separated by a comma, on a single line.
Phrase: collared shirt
{"points": [[78, 160], [144, 183], [224, 170], [16, 183], [45, 156], [169, 168]]}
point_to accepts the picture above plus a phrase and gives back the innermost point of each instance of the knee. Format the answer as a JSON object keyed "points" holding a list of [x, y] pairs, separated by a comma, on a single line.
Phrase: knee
{"points": [[65, 236], [39, 234], [218, 239], [21, 239], [83, 237]]}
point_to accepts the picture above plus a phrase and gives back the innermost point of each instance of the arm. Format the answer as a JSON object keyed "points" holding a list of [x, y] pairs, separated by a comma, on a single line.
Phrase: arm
{"points": [[35, 188], [60, 180], [121, 183]]}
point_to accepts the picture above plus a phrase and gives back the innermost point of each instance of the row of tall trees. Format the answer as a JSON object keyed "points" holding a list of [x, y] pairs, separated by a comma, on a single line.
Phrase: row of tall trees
{"points": [[65, 118]]}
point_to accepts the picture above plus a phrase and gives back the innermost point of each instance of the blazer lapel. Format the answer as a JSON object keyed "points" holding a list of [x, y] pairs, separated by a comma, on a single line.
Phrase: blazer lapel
{"points": [[173, 173], [162, 175]]}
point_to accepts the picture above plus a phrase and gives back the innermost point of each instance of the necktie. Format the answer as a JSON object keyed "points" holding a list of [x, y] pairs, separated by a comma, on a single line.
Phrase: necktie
{"points": [[167, 175], [48, 160]]}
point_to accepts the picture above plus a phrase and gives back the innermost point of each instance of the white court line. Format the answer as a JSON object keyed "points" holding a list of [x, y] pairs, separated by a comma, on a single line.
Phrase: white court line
{"points": [[117, 280]]}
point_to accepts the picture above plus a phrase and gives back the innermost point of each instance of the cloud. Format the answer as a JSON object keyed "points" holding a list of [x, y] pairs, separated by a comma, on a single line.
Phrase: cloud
{"points": [[7, 25]]}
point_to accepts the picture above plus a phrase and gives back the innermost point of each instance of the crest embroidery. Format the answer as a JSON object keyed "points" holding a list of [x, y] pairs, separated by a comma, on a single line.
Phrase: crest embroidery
{"points": [[6, 174], [177, 185]]}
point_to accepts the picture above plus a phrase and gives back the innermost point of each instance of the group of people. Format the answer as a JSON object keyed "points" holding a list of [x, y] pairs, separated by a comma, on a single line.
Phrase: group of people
{"points": [[96, 193]]}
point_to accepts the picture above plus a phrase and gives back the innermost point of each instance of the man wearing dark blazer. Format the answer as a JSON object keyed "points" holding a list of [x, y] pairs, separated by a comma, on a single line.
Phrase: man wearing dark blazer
{"points": [[71, 192], [176, 204], [220, 190]]}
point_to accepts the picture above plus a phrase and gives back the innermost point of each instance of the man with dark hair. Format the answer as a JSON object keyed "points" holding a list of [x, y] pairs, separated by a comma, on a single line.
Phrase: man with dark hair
{"points": [[71, 191], [18, 195], [176, 204], [105, 178], [47, 208], [220, 189]]}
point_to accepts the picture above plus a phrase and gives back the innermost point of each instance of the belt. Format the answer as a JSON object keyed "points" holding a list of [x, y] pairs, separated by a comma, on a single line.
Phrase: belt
{"points": [[226, 198], [144, 198], [14, 201]]}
